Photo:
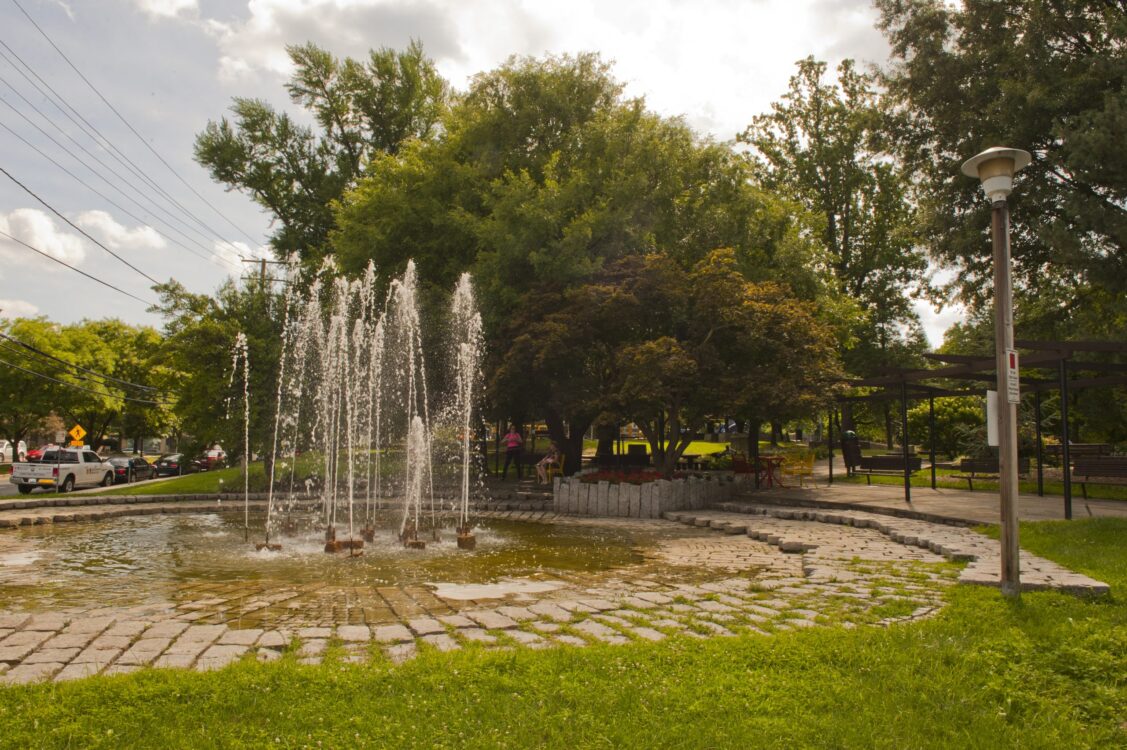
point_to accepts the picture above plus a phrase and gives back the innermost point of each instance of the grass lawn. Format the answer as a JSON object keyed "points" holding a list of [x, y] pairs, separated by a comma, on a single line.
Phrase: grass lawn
{"points": [[193, 484], [1047, 671]]}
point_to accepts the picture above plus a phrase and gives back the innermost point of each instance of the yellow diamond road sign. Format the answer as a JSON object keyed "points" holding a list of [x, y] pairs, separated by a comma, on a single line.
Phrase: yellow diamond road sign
{"points": [[77, 433]]}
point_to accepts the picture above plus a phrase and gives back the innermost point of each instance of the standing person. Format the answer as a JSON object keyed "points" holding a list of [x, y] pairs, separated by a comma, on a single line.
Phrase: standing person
{"points": [[514, 447]]}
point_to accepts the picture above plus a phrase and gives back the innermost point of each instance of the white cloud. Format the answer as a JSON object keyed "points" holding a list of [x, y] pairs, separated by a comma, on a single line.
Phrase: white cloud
{"points": [[17, 308], [234, 252], [39, 230], [717, 63], [117, 236], [169, 8]]}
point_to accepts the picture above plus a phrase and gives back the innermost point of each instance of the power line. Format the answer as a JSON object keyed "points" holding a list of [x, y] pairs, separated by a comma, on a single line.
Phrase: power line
{"points": [[127, 124], [76, 227], [48, 256], [213, 257], [48, 355], [93, 171], [60, 103], [84, 388]]}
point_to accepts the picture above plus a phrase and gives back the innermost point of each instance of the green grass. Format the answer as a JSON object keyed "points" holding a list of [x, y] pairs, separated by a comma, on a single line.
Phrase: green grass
{"points": [[194, 484], [1046, 671]]}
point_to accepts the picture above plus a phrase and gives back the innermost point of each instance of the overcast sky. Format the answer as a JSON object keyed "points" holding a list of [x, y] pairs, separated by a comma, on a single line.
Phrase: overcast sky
{"points": [[168, 66]]}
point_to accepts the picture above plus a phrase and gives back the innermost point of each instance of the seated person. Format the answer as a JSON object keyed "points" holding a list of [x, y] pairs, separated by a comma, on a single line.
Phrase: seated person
{"points": [[551, 458]]}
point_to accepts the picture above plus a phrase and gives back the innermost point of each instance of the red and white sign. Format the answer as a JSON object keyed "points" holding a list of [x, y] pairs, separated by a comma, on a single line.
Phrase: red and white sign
{"points": [[1013, 383]]}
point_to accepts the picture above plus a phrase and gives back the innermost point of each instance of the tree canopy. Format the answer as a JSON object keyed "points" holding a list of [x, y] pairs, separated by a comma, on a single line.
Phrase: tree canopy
{"points": [[295, 172], [1047, 76], [825, 145], [544, 180]]}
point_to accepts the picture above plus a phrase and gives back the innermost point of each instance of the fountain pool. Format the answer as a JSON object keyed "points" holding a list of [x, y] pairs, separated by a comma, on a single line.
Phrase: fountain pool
{"points": [[197, 562]]}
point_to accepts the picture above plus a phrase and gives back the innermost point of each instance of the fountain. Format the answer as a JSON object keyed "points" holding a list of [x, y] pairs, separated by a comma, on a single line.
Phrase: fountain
{"points": [[354, 415]]}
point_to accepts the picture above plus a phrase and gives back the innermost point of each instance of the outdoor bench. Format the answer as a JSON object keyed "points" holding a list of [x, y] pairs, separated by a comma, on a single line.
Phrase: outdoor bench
{"points": [[1099, 470], [971, 469], [886, 466]]}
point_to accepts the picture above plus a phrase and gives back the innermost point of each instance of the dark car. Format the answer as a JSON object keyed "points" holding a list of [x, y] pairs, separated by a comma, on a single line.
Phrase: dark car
{"points": [[128, 469], [175, 464]]}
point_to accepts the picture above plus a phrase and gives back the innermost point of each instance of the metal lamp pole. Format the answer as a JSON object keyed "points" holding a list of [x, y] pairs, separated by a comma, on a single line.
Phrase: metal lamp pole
{"points": [[995, 167]]}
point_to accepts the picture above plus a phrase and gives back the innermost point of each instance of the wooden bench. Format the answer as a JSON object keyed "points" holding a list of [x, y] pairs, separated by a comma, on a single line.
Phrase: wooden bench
{"points": [[971, 469], [1099, 470], [886, 466]]}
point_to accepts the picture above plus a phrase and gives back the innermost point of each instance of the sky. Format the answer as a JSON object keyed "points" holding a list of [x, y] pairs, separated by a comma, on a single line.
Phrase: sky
{"points": [[148, 75]]}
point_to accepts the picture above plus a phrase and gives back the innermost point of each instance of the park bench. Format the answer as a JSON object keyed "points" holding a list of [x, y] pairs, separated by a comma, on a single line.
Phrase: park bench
{"points": [[971, 469], [1099, 470], [886, 466]]}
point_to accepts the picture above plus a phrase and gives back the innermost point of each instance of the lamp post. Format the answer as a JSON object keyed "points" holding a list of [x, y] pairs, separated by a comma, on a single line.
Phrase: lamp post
{"points": [[995, 167]]}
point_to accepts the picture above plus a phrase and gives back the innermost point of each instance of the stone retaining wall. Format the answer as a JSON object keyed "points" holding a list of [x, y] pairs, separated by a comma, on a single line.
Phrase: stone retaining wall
{"points": [[570, 496]]}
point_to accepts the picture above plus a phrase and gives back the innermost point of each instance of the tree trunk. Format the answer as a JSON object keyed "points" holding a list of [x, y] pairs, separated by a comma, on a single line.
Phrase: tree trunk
{"points": [[570, 440], [606, 434], [888, 424]]}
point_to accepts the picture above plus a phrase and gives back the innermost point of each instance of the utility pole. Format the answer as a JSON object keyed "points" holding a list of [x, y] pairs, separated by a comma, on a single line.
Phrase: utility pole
{"points": [[262, 263], [995, 167]]}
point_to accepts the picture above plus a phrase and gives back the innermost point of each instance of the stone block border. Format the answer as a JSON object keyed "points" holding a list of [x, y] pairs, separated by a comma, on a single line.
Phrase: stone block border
{"points": [[574, 497]]}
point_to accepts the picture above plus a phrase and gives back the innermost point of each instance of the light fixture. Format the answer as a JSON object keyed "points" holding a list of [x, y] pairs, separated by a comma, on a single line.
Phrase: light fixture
{"points": [[996, 167]]}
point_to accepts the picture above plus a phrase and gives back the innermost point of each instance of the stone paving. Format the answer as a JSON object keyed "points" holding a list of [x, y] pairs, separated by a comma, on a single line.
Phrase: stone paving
{"points": [[738, 569]]}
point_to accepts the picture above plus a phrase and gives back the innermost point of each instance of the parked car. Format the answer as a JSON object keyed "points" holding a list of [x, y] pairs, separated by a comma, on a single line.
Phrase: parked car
{"points": [[62, 469], [213, 458], [174, 465], [6, 451], [128, 469], [36, 454]]}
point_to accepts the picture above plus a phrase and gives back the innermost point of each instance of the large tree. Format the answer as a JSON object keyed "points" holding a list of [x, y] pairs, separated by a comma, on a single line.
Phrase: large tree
{"points": [[361, 108], [648, 341], [543, 176], [824, 145], [1048, 76]]}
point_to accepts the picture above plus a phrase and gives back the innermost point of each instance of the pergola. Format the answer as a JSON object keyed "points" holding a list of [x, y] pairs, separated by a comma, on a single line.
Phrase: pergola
{"points": [[1059, 369]]}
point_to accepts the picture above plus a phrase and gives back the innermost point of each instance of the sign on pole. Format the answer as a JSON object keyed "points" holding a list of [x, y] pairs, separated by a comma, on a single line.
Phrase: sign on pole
{"points": [[1013, 382], [76, 433], [992, 418]]}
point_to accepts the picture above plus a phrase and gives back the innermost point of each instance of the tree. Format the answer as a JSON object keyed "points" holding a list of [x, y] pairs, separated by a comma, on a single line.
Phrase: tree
{"points": [[825, 146], [90, 373], [28, 397], [542, 178], [1048, 76], [200, 333], [644, 341], [361, 110], [954, 419]]}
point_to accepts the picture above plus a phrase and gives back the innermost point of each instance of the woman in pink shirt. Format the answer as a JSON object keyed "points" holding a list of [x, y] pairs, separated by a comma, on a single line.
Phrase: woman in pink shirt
{"points": [[514, 446]]}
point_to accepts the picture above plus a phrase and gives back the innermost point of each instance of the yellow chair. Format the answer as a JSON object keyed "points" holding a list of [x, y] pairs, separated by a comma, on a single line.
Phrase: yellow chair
{"points": [[556, 469], [799, 467]]}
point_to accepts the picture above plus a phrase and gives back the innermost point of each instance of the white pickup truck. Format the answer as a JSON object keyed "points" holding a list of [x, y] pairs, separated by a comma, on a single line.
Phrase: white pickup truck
{"points": [[63, 470]]}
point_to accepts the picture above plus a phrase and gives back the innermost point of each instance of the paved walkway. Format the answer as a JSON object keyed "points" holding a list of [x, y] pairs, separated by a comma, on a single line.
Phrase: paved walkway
{"points": [[742, 568], [951, 504]]}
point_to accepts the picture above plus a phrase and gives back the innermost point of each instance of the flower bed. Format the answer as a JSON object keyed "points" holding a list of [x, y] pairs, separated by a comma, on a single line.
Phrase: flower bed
{"points": [[618, 476]]}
